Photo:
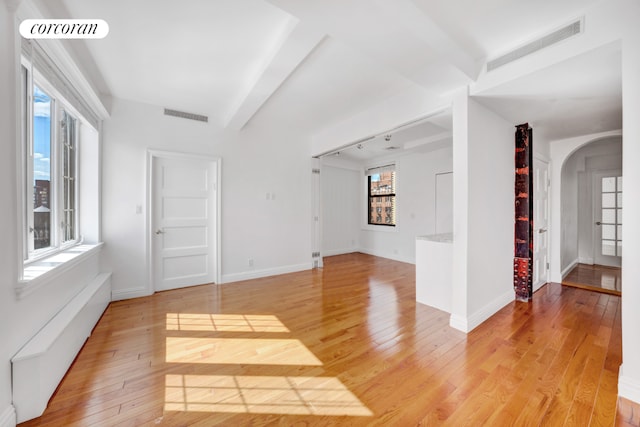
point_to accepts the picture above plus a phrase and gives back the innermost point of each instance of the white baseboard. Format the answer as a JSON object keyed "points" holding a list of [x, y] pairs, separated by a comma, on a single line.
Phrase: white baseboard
{"points": [[122, 294], [381, 254], [588, 261], [458, 322], [629, 388], [568, 269], [469, 323], [333, 252], [538, 285], [8, 417], [256, 274]]}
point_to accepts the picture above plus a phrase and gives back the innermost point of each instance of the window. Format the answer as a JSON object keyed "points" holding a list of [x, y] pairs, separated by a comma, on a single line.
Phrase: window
{"points": [[50, 136], [59, 168], [381, 185]]}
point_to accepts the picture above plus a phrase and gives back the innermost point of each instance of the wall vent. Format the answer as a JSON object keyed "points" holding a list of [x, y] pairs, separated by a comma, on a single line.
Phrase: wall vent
{"points": [[182, 114], [557, 36]]}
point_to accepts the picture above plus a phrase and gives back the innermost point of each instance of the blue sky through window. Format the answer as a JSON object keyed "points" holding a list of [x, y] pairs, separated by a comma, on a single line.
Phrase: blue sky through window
{"points": [[41, 135]]}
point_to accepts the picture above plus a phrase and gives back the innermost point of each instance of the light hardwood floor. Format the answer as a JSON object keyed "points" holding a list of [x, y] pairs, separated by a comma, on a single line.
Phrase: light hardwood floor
{"points": [[344, 345], [596, 278]]}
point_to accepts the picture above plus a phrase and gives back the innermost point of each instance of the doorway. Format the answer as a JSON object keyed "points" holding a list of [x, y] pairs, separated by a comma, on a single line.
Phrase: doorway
{"points": [[592, 210], [184, 220], [541, 222]]}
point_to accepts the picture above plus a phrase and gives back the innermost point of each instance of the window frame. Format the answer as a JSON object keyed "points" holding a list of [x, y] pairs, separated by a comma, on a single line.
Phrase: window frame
{"points": [[387, 197], [30, 77]]}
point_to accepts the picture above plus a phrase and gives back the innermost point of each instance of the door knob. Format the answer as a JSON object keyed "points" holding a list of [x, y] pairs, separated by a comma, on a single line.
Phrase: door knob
{"points": [[598, 223], [542, 230], [158, 231]]}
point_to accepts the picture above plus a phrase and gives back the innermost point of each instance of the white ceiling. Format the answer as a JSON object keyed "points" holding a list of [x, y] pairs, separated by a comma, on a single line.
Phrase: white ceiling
{"points": [[488, 28], [579, 96], [195, 55], [314, 63]]}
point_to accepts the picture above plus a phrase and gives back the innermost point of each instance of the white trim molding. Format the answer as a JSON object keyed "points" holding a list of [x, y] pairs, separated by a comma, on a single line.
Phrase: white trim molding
{"points": [[568, 269], [334, 252], [381, 254], [8, 417], [469, 323], [129, 293], [628, 388], [257, 274]]}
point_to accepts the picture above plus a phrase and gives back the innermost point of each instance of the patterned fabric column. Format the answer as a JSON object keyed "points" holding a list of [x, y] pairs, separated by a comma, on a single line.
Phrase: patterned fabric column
{"points": [[523, 261]]}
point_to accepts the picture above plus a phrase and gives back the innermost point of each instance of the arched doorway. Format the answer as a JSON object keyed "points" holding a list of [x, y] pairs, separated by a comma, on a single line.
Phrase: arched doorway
{"points": [[588, 211]]}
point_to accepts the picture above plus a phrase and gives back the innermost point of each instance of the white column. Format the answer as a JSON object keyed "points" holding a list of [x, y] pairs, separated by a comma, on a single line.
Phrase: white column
{"points": [[459, 280]]}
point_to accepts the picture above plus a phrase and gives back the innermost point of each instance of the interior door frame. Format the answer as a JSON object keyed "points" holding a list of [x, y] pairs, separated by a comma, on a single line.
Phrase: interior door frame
{"points": [[544, 159], [152, 155], [595, 243]]}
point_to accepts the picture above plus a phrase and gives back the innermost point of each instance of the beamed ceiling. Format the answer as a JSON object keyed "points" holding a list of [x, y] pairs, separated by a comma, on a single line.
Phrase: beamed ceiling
{"points": [[314, 63]]}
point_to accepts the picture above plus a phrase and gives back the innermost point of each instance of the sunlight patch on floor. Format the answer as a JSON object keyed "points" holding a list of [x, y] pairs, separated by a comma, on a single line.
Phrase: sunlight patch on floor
{"points": [[250, 351], [224, 322], [261, 394]]}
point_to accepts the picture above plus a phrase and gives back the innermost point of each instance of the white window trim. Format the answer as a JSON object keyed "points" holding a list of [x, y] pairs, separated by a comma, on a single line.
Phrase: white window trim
{"points": [[59, 103], [381, 227], [38, 273]]}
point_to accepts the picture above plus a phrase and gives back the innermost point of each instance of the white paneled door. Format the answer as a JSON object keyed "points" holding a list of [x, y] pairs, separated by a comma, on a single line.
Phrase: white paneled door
{"points": [[184, 221], [540, 223]]}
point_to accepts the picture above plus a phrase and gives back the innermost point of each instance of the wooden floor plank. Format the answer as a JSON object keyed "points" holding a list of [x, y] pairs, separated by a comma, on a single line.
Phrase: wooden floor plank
{"points": [[595, 277], [382, 359]]}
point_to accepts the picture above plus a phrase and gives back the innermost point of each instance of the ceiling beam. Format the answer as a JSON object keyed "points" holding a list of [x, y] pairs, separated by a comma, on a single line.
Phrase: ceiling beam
{"points": [[427, 30], [396, 34], [295, 43]]}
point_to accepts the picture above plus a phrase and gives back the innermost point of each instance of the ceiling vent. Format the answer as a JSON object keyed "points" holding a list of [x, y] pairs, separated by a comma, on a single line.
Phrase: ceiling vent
{"points": [[557, 36], [182, 114]]}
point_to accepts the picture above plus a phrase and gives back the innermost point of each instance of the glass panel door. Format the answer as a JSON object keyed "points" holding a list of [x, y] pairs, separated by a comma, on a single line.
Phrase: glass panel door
{"points": [[611, 214]]}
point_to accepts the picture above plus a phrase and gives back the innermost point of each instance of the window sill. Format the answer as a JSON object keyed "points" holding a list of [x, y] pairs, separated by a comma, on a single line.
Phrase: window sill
{"points": [[383, 228], [38, 273]]}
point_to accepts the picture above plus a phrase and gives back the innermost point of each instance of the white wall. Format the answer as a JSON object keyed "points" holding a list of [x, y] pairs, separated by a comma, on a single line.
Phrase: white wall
{"points": [[569, 209], [541, 143], [415, 204], [275, 233], [629, 381], [344, 185], [483, 213]]}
